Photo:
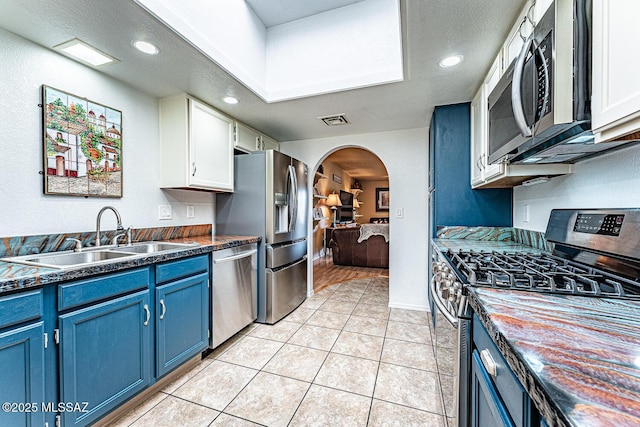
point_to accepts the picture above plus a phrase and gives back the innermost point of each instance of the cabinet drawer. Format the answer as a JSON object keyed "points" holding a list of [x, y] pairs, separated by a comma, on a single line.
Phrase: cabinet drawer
{"points": [[174, 270], [81, 292], [18, 308], [513, 395]]}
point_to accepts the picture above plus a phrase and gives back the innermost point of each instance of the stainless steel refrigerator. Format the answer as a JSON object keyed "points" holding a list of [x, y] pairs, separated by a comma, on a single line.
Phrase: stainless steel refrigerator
{"points": [[270, 200]]}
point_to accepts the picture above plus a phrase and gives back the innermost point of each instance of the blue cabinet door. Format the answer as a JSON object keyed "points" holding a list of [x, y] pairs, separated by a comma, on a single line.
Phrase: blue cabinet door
{"points": [[182, 321], [487, 408], [22, 375], [105, 355]]}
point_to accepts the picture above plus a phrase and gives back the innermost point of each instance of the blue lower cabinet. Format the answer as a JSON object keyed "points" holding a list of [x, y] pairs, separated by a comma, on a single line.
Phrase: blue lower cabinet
{"points": [[105, 356], [182, 321], [487, 409], [22, 375]]}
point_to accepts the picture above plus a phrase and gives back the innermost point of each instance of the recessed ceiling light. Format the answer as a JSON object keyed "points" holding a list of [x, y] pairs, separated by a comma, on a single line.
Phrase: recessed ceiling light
{"points": [[451, 61], [146, 47], [81, 51], [230, 100]]}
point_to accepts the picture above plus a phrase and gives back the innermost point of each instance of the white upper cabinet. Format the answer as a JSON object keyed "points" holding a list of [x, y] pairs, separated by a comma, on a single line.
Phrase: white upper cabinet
{"points": [[196, 146], [270, 143], [522, 28], [477, 143], [248, 139], [481, 170], [616, 81]]}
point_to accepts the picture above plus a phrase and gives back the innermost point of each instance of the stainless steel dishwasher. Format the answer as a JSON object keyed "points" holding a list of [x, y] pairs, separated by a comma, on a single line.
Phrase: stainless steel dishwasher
{"points": [[234, 294]]}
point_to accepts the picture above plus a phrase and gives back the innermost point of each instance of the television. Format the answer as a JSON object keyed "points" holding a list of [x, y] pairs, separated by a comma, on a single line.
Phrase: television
{"points": [[345, 212]]}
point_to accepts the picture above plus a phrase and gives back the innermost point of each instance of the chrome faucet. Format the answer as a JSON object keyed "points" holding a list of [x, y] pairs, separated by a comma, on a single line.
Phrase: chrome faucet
{"points": [[118, 229]]}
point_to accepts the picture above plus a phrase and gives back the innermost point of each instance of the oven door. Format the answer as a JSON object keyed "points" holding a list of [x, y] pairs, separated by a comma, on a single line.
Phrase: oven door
{"points": [[452, 346]]}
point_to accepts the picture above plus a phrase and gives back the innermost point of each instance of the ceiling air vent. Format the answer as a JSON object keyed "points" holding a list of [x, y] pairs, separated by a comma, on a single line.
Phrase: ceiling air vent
{"points": [[335, 120]]}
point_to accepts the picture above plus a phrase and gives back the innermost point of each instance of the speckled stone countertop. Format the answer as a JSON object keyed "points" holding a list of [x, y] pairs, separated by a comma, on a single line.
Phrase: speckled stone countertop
{"points": [[14, 276], [577, 357]]}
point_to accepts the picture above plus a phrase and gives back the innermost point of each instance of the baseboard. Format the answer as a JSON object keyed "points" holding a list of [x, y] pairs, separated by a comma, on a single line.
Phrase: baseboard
{"points": [[409, 306]]}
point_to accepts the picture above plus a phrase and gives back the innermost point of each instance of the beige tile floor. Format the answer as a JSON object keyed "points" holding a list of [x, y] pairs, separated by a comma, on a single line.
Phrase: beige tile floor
{"points": [[343, 358]]}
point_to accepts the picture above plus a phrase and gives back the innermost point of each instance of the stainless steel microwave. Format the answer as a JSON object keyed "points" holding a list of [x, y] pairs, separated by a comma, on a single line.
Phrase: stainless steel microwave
{"points": [[540, 110]]}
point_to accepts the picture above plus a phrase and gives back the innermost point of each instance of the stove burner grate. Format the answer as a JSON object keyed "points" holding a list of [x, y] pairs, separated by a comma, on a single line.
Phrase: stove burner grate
{"points": [[539, 272]]}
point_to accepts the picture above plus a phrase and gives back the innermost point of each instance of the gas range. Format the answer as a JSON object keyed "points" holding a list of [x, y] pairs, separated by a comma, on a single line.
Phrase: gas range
{"points": [[596, 254]]}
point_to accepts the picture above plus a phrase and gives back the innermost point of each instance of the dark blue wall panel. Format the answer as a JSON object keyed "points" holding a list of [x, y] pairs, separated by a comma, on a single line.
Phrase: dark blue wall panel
{"points": [[454, 202]]}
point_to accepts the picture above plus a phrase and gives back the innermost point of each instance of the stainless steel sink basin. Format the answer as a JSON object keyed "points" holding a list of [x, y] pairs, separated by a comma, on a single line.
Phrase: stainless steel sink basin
{"points": [[69, 259], [100, 255], [153, 247]]}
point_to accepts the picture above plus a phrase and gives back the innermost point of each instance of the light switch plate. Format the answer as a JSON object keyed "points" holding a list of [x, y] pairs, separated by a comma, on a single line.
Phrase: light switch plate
{"points": [[400, 213], [164, 212], [191, 211]]}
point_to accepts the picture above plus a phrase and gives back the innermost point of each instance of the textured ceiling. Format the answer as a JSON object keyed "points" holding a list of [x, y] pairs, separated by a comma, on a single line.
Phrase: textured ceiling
{"points": [[432, 29], [360, 164]]}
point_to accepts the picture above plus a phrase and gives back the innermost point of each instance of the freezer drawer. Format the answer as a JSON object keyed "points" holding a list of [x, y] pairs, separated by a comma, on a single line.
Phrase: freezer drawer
{"points": [[285, 254], [234, 292], [286, 290]]}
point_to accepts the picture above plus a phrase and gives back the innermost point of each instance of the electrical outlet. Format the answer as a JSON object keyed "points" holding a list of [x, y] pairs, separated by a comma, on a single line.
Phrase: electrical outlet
{"points": [[164, 212], [191, 211], [525, 213]]}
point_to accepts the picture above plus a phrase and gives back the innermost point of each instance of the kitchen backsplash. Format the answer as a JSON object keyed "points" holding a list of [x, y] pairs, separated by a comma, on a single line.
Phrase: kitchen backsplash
{"points": [[526, 237], [25, 245]]}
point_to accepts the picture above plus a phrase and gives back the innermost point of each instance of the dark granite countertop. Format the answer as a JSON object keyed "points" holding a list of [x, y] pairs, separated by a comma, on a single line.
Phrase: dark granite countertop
{"points": [[577, 357], [14, 276]]}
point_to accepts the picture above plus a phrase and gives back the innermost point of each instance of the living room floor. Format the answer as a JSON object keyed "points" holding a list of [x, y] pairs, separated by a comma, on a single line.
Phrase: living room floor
{"points": [[325, 272], [342, 358]]}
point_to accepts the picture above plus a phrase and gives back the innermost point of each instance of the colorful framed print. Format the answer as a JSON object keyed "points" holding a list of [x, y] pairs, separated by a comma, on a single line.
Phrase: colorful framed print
{"points": [[82, 146]]}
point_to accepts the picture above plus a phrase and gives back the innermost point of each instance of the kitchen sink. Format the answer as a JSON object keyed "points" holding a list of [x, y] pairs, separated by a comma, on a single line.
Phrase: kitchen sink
{"points": [[69, 259], [153, 247], [99, 255]]}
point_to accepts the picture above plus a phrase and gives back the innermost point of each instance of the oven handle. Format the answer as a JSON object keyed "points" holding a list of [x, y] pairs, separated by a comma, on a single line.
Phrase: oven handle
{"points": [[453, 320]]}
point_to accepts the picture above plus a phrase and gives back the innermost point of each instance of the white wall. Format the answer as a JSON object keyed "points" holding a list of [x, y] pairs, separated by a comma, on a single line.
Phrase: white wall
{"points": [[405, 155], [609, 181], [24, 209]]}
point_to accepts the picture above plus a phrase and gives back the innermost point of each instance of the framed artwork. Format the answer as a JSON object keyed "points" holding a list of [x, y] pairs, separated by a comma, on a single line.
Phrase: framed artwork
{"points": [[82, 146], [337, 179], [317, 213], [382, 199]]}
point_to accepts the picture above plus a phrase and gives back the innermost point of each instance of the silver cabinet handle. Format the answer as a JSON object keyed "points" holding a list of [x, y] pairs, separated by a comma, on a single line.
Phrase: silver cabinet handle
{"points": [[164, 309], [234, 257], [194, 169], [146, 309], [489, 363]]}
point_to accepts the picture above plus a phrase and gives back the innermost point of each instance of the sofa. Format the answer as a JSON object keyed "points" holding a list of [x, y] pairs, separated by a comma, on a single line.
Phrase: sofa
{"points": [[372, 251]]}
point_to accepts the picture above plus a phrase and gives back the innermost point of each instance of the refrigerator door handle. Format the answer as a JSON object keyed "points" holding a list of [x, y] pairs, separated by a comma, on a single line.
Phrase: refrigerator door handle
{"points": [[292, 195]]}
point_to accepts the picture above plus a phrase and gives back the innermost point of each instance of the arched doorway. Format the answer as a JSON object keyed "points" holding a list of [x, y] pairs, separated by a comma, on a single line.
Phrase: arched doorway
{"points": [[360, 181]]}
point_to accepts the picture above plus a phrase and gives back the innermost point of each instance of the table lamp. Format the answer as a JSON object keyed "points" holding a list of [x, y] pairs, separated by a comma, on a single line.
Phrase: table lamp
{"points": [[333, 201]]}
